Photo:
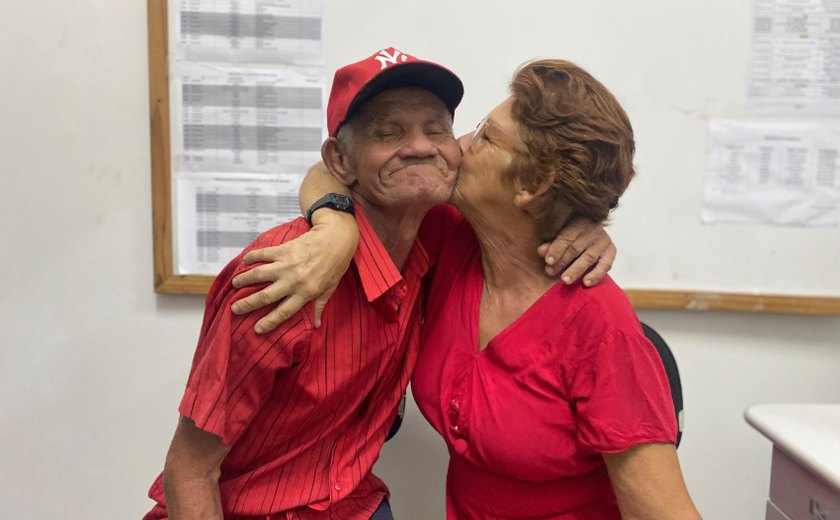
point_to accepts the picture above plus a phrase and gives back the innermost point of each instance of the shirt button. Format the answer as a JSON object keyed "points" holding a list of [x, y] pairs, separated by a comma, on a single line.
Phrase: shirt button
{"points": [[337, 486], [454, 405], [460, 446]]}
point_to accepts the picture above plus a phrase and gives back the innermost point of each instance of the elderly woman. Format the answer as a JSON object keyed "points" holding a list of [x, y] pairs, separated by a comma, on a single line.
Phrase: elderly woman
{"points": [[551, 401]]}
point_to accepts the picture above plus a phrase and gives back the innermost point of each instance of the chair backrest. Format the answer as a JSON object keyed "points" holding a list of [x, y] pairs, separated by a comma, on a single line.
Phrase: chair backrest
{"points": [[672, 372]]}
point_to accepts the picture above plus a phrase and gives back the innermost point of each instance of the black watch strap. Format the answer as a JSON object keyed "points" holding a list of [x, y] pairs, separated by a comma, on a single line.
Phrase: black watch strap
{"points": [[334, 201]]}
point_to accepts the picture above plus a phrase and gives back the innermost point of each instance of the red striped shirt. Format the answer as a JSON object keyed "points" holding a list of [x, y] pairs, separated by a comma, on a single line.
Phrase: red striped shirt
{"points": [[306, 410]]}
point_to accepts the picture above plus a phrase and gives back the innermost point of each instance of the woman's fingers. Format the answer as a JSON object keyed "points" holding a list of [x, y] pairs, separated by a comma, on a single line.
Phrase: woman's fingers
{"points": [[266, 296], [260, 274], [287, 308], [266, 254]]}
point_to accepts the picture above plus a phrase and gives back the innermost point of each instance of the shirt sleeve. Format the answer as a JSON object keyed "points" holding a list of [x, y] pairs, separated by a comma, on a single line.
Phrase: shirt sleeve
{"points": [[437, 225], [234, 368], [621, 395]]}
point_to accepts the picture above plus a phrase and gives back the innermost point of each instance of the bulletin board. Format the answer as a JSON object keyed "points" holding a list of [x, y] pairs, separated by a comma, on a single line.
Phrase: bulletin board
{"points": [[674, 66]]}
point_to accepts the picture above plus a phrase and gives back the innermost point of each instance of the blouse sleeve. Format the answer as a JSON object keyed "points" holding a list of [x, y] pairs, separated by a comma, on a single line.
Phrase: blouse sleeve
{"points": [[234, 368], [621, 396]]}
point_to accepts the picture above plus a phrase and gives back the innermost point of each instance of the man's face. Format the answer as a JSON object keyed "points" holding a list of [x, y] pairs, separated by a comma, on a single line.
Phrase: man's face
{"points": [[402, 150]]}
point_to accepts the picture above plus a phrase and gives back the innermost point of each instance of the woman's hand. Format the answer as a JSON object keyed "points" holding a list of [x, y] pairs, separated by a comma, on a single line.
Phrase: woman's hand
{"points": [[305, 269], [580, 245]]}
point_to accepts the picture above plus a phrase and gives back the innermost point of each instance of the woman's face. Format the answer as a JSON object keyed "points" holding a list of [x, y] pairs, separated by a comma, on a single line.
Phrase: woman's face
{"points": [[487, 153]]}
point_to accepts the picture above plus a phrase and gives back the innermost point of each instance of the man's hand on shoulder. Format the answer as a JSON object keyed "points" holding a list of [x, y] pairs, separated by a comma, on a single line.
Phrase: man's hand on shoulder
{"points": [[581, 247]]}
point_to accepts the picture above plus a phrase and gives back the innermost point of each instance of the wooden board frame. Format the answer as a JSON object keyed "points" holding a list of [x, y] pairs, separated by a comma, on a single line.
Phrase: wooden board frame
{"points": [[166, 281]]}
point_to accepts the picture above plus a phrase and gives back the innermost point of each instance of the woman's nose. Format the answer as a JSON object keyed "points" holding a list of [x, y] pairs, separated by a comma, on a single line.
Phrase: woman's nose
{"points": [[464, 142]]}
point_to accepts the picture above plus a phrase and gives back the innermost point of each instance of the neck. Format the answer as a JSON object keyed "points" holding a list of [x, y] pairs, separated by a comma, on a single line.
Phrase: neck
{"points": [[509, 251], [396, 229]]}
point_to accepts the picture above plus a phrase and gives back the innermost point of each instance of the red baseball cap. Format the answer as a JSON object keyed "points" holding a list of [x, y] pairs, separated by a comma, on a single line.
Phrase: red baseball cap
{"points": [[357, 83]]}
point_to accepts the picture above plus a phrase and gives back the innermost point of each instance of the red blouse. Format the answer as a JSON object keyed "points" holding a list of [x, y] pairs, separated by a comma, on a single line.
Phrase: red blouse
{"points": [[527, 419]]}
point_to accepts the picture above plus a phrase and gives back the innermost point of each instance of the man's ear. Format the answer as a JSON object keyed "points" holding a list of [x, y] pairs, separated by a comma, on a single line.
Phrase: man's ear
{"points": [[337, 161]]}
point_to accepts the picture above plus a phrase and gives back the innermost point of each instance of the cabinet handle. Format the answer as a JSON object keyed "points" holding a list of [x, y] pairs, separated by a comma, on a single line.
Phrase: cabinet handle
{"points": [[817, 511]]}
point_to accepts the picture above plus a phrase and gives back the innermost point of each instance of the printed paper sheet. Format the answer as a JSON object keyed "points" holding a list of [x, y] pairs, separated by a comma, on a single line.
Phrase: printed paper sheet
{"points": [[221, 213], [773, 172], [252, 31], [795, 67]]}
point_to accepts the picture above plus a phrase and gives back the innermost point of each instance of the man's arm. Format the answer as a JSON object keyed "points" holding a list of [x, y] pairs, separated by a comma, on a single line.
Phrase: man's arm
{"points": [[191, 473], [649, 485]]}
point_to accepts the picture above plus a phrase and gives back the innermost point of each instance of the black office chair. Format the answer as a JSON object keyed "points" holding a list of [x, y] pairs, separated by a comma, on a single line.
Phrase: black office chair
{"points": [[672, 372], [395, 427]]}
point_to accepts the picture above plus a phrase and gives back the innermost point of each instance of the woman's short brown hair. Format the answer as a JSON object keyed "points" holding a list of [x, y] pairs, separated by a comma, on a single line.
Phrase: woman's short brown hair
{"points": [[576, 133]]}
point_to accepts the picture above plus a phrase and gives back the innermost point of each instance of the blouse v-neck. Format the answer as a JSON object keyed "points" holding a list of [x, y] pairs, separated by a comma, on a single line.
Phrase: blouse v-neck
{"points": [[476, 290]]}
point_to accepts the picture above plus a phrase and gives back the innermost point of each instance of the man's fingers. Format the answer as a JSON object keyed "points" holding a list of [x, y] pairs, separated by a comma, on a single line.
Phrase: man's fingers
{"points": [[271, 294], [601, 269], [580, 266], [563, 254], [567, 246], [279, 314]]}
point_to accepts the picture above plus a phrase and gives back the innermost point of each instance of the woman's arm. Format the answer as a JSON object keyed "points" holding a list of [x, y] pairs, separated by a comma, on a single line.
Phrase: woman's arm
{"points": [[309, 269], [649, 485]]}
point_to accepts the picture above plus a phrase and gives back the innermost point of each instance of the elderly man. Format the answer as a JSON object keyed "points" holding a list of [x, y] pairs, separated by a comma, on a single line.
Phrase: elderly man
{"points": [[289, 424]]}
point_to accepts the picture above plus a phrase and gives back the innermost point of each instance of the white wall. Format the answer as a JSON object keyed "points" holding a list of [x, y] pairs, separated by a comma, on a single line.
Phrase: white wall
{"points": [[92, 363]]}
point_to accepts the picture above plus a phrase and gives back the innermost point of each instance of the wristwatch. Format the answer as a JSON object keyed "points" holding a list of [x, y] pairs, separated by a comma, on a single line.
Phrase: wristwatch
{"points": [[334, 201]]}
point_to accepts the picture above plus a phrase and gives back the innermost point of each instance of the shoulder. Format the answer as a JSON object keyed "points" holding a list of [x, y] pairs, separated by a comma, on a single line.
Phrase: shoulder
{"points": [[222, 293], [582, 320], [605, 305], [279, 235], [275, 236]]}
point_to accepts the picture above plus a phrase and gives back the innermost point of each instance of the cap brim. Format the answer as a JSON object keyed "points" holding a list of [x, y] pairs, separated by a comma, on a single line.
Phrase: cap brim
{"points": [[429, 76]]}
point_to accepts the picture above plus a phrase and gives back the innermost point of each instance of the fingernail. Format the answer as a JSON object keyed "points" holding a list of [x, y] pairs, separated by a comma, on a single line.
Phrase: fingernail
{"points": [[259, 329], [236, 308], [587, 282], [550, 260], [567, 279]]}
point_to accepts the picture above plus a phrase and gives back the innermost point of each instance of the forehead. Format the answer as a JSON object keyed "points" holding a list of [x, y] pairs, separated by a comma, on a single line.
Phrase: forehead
{"points": [[501, 116], [403, 102]]}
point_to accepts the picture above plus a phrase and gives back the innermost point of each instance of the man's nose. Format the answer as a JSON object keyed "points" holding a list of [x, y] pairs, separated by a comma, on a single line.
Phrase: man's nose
{"points": [[418, 145]]}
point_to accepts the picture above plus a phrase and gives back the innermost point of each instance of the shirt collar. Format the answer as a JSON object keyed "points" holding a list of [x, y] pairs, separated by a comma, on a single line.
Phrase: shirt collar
{"points": [[375, 266]]}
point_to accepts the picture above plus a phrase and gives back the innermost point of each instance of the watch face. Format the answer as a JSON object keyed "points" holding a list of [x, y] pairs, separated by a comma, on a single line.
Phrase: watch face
{"points": [[342, 201]]}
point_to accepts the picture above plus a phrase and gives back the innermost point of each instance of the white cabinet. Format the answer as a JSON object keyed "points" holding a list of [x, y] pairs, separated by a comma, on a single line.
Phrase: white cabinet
{"points": [[805, 471]]}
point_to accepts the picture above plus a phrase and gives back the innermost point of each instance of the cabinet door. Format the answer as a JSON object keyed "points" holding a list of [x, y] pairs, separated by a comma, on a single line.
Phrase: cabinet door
{"points": [[796, 491]]}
